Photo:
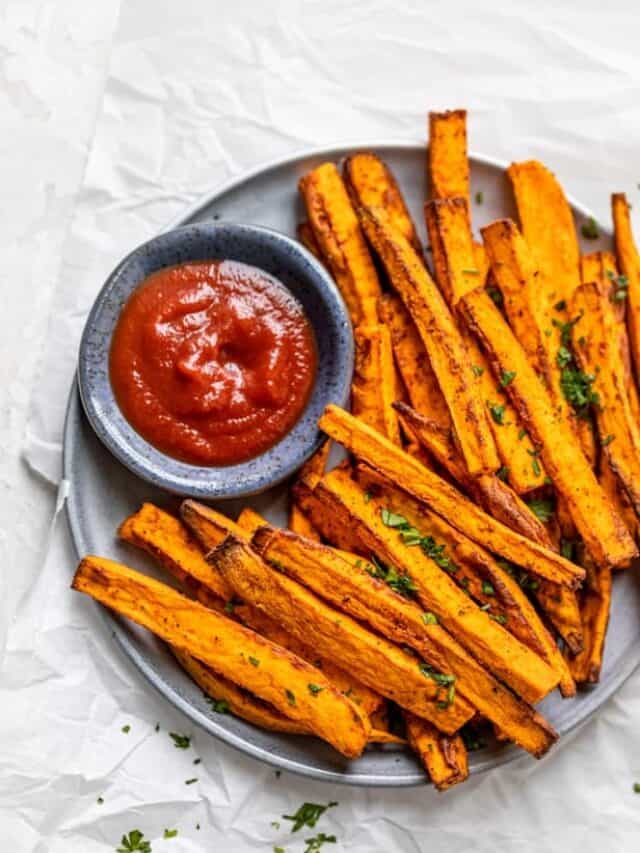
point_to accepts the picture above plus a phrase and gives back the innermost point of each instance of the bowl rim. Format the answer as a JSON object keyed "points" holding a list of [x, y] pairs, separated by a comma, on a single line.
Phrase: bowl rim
{"points": [[222, 482]]}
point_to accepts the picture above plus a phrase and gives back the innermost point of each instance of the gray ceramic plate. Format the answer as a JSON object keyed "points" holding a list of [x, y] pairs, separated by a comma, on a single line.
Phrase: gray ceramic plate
{"points": [[103, 493]]}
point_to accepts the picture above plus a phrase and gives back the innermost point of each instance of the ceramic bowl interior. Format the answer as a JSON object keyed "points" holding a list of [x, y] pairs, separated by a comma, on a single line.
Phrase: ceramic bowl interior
{"points": [[301, 274]]}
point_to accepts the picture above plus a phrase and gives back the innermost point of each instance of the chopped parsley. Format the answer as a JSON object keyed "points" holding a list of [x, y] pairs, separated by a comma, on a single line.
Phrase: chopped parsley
{"points": [[429, 618], [542, 508], [125, 729], [411, 536], [620, 285], [220, 706], [479, 197], [497, 411], [100, 801], [565, 328], [392, 519], [180, 741], [564, 357], [503, 473], [477, 370], [291, 696], [253, 661], [442, 680], [590, 229], [402, 584], [636, 787], [314, 689], [367, 497], [170, 833], [568, 549], [157, 727], [134, 842], [229, 606], [191, 781], [561, 306], [308, 814], [498, 617], [471, 271], [315, 843], [575, 384], [521, 433], [496, 295], [487, 588], [521, 577], [578, 391], [535, 465], [606, 440], [471, 739], [507, 378], [279, 850]]}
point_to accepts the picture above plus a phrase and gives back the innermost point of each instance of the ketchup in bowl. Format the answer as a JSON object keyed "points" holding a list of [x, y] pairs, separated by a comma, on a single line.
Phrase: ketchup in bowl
{"points": [[212, 363]]}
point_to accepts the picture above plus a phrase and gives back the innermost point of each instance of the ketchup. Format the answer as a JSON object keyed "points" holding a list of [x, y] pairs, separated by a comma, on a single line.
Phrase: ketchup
{"points": [[212, 362]]}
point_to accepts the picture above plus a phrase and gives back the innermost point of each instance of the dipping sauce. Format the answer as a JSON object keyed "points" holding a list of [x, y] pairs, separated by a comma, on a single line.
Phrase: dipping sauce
{"points": [[212, 362]]}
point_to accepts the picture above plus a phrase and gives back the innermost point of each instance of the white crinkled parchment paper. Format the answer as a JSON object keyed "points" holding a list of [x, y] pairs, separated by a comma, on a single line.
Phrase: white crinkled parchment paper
{"points": [[197, 92]]}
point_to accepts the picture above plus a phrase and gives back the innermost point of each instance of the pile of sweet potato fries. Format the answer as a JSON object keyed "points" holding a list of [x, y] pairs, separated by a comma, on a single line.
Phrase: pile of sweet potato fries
{"points": [[456, 567]]}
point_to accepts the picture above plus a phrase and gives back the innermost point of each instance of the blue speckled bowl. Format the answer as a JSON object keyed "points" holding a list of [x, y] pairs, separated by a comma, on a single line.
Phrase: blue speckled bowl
{"points": [[301, 273]]}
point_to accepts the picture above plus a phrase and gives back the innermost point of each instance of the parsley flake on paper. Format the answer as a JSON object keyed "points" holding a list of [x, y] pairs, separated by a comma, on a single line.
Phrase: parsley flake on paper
{"points": [[308, 815], [134, 841]]}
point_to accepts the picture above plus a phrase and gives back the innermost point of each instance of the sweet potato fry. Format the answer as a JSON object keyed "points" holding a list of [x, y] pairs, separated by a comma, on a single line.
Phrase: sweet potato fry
{"points": [[239, 702], [279, 678], [488, 490], [164, 537], [548, 227], [619, 499], [517, 275], [350, 585], [371, 184], [371, 659], [629, 264], [373, 388], [448, 163], [601, 267], [442, 341], [172, 545], [301, 523], [316, 465], [428, 565], [250, 520], [305, 235], [496, 588], [444, 758], [596, 605], [412, 361], [449, 230], [413, 478], [602, 530], [245, 705], [481, 262], [342, 244], [549, 230], [595, 348], [559, 603], [323, 519], [207, 525]]}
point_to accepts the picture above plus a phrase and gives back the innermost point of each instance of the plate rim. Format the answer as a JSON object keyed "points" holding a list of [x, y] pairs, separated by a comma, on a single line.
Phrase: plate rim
{"points": [[74, 409]]}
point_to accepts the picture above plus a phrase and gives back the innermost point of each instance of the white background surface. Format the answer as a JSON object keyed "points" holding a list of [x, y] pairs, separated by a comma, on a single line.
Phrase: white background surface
{"points": [[114, 116]]}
